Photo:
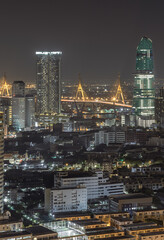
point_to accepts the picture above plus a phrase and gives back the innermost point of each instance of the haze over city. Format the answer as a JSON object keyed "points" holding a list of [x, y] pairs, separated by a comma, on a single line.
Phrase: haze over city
{"points": [[82, 120], [97, 38]]}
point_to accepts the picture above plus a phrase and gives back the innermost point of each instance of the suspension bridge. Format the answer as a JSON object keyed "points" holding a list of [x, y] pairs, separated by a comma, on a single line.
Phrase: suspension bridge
{"points": [[81, 97]]}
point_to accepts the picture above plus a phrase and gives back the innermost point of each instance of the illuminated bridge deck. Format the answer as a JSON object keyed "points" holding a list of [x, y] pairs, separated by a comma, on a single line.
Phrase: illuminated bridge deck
{"points": [[97, 101]]}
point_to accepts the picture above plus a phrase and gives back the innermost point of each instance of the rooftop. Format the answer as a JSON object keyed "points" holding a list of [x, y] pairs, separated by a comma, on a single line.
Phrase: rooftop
{"points": [[146, 227], [129, 196], [140, 224], [150, 210], [69, 187], [72, 214], [88, 222], [122, 219], [118, 238], [152, 233], [39, 230], [9, 221], [100, 231], [75, 174], [14, 234]]}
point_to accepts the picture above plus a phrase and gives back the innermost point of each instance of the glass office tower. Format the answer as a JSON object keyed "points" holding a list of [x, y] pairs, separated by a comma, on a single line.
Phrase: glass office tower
{"points": [[48, 82], [144, 93]]}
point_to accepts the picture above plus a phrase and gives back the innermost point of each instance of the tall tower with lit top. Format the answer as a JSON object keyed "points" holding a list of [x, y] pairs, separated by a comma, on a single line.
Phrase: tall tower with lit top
{"points": [[144, 93], [48, 81]]}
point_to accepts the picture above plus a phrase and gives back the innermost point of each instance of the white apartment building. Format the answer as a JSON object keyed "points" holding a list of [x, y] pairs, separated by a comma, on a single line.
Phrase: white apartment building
{"points": [[66, 199], [120, 137], [97, 186], [104, 137], [90, 182], [107, 189]]}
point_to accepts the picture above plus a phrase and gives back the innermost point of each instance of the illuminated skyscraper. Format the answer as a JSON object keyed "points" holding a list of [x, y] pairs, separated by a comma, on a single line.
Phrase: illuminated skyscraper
{"points": [[1, 161], [144, 94], [18, 105], [48, 82], [30, 110]]}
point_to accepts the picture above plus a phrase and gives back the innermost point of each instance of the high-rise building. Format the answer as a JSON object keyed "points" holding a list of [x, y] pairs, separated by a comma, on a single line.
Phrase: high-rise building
{"points": [[144, 94], [6, 108], [48, 82], [18, 89], [18, 105], [159, 108], [1, 161], [29, 110]]}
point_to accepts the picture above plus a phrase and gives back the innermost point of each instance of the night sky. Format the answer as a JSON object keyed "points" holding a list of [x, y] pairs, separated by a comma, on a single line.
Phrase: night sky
{"points": [[98, 38]]}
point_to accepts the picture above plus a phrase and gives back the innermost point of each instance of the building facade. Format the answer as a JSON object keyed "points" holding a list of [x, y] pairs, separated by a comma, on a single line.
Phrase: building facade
{"points": [[97, 186], [66, 199], [18, 105], [159, 108], [144, 94], [1, 161], [30, 111], [18, 112], [108, 137], [129, 202], [48, 82], [6, 108], [18, 89]]}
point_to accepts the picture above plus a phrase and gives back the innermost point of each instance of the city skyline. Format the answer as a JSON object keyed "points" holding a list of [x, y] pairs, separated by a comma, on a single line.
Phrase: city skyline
{"points": [[82, 120], [106, 34]]}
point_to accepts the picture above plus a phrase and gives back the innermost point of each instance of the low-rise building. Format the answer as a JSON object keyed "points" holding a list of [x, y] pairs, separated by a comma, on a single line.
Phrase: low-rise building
{"points": [[141, 230], [126, 237], [120, 221], [150, 169], [152, 236], [139, 182], [157, 214], [23, 235], [129, 202], [138, 225], [10, 225], [91, 223], [106, 217], [40, 232], [103, 233], [73, 216]]}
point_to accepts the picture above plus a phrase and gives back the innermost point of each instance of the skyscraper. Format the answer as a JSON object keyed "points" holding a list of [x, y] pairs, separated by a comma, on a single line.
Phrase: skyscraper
{"points": [[159, 108], [144, 94], [18, 105], [1, 161], [48, 82], [29, 110]]}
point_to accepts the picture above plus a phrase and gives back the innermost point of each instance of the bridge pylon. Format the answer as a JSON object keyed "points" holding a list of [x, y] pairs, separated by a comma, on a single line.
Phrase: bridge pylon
{"points": [[6, 89], [119, 93], [80, 92]]}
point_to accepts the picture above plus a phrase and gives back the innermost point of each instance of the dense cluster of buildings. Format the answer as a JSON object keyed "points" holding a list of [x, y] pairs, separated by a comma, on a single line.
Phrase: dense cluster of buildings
{"points": [[78, 172]]}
